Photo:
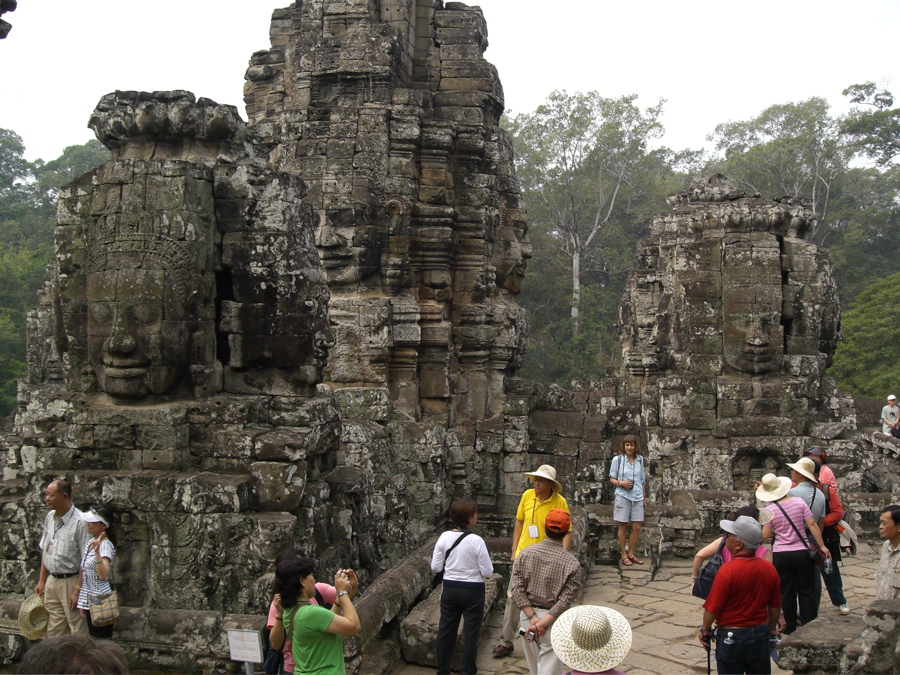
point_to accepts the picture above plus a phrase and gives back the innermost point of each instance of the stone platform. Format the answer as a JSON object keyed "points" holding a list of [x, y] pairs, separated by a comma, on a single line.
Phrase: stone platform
{"points": [[664, 616]]}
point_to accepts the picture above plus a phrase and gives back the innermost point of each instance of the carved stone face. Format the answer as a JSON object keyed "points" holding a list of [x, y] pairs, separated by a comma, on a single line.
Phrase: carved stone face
{"points": [[139, 332], [350, 255], [753, 337], [512, 250]]}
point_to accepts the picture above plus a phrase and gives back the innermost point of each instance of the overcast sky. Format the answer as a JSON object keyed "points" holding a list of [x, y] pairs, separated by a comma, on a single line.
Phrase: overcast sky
{"points": [[712, 61]]}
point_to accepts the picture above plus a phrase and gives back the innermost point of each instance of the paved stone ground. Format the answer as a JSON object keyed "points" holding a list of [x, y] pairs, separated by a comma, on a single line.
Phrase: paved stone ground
{"points": [[664, 616]]}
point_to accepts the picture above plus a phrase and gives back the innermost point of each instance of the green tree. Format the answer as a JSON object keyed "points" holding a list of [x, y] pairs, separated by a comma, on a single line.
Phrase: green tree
{"points": [[790, 149], [591, 185], [865, 363], [875, 128], [28, 193]]}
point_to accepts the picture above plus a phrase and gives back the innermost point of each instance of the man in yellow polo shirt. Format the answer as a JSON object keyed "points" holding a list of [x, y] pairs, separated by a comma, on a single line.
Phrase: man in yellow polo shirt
{"points": [[534, 506]]}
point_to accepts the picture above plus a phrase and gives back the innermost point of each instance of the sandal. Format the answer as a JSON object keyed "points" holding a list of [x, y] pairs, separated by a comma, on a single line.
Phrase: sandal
{"points": [[626, 561], [634, 559]]}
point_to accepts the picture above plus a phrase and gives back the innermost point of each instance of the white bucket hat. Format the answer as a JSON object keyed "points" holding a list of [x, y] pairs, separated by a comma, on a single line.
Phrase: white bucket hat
{"points": [[591, 638], [773, 488], [33, 618], [548, 472], [805, 467]]}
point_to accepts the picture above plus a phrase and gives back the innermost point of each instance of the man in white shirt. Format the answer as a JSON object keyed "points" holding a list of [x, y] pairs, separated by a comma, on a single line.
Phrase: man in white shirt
{"points": [[62, 545], [889, 415]]}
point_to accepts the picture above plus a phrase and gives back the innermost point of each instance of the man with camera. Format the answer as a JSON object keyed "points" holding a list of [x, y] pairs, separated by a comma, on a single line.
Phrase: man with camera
{"points": [[745, 603], [545, 580]]}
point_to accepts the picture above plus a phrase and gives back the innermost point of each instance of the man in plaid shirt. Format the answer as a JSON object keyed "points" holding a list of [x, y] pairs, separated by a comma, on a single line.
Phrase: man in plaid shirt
{"points": [[545, 580]]}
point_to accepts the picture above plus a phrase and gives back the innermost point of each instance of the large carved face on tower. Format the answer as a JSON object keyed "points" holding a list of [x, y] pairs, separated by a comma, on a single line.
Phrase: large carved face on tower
{"points": [[350, 255], [752, 333], [140, 325], [512, 251]]}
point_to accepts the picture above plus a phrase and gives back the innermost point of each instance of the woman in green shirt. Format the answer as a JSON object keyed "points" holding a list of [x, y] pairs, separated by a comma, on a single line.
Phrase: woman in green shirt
{"points": [[315, 631]]}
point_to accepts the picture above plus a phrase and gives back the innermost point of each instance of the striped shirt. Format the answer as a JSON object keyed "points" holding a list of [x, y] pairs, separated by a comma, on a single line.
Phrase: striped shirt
{"points": [[91, 583], [545, 575], [63, 541]]}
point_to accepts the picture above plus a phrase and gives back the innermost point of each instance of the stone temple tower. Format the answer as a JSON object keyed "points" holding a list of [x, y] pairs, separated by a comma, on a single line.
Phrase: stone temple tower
{"points": [[727, 325], [389, 113]]}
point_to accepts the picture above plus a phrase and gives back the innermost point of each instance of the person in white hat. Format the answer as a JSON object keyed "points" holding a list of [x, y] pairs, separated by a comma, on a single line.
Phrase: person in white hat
{"points": [[789, 551], [890, 414], [591, 640], [534, 506]]}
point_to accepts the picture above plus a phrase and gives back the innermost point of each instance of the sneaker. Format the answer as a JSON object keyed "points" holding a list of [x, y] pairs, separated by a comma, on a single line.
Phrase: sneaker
{"points": [[503, 650], [844, 609]]}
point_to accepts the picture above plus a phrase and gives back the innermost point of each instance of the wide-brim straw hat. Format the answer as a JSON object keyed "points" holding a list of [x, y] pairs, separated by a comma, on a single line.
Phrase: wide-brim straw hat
{"points": [[773, 488], [805, 467], [33, 618], [548, 472], [591, 638]]}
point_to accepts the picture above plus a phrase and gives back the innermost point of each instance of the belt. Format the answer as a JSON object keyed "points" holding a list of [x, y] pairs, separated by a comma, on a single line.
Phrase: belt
{"points": [[65, 575], [740, 627], [533, 606]]}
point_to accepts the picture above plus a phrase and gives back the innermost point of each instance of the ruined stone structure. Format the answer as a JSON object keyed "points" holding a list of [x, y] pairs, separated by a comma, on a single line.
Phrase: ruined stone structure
{"points": [[303, 331], [390, 115], [727, 325], [174, 358]]}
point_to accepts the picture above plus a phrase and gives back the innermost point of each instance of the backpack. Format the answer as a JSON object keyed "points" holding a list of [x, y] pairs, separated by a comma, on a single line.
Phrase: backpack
{"points": [[704, 581]]}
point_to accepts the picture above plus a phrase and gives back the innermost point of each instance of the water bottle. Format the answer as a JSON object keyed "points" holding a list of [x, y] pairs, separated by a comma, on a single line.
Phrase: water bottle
{"points": [[829, 566]]}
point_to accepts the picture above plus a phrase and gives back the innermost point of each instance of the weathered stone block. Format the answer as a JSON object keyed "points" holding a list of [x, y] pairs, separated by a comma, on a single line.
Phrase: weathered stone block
{"points": [[419, 630]]}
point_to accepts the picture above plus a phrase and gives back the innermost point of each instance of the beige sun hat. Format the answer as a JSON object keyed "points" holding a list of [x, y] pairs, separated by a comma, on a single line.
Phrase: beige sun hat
{"points": [[33, 618], [773, 488], [548, 472], [591, 638], [806, 467]]}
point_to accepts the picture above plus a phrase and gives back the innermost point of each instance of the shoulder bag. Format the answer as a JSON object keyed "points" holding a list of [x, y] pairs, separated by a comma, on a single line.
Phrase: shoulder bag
{"points": [[814, 553], [704, 581], [104, 608]]}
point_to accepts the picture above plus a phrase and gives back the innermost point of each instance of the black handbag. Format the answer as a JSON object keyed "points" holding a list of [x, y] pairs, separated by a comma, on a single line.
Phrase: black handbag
{"points": [[815, 554], [704, 581], [274, 658]]}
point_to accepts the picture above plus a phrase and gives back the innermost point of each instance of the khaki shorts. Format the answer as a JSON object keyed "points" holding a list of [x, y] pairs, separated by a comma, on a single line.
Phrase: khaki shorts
{"points": [[627, 511]]}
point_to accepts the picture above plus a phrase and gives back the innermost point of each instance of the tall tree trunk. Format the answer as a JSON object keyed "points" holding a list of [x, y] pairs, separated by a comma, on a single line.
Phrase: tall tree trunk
{"points": [[576, 288]]}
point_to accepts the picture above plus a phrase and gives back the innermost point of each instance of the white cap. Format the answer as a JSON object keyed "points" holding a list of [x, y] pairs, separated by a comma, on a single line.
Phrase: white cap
{"points": [[892, 398]]}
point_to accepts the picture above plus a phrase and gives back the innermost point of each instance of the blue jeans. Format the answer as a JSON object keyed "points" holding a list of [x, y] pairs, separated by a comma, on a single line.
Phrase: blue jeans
{"points": [[833, 581], [748, 653]]}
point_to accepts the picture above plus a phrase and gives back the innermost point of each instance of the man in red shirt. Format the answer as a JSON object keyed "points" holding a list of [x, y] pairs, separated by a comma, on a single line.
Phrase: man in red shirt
{"points": [[745, 603]]}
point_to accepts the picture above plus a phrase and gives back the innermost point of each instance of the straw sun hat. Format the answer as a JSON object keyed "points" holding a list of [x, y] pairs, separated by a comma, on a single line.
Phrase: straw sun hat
{"points": [[591, 638], [33, 618], [773, 488], [805, 467], [548, 472]]}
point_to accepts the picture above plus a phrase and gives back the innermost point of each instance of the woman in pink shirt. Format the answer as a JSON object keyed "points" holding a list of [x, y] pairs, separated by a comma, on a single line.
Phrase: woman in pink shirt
{"points": [[789, 550]]}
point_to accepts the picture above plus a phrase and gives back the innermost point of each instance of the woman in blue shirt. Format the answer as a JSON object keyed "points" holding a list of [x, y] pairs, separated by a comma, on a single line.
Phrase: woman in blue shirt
{"points": [[626, 472]]}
